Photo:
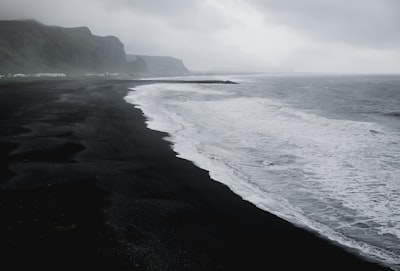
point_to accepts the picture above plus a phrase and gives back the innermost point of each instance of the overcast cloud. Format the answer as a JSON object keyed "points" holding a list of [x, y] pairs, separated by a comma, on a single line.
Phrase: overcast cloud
{"points": [[298, 35]]}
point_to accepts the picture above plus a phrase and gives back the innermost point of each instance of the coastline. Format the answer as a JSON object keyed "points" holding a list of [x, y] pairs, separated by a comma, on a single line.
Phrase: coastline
{"points": [[85, 184]]}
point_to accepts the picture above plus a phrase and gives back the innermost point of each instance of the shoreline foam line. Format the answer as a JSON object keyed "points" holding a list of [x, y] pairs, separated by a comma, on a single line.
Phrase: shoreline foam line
{"points": [[249, 192]]}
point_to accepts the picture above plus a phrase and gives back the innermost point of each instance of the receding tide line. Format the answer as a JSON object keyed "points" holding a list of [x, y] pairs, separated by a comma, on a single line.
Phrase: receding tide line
{"points": [[224, 174]]}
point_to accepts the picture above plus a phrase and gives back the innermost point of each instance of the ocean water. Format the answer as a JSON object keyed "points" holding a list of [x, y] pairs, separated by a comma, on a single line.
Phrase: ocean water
{"points": [[321, 151]]}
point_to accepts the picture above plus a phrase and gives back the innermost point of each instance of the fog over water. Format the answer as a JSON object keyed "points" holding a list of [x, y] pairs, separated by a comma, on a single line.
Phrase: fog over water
{"points": [[360, 36]]}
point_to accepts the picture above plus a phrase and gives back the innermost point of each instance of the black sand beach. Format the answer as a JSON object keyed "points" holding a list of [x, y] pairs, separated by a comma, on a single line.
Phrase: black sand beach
{"points": [[84, 185]]}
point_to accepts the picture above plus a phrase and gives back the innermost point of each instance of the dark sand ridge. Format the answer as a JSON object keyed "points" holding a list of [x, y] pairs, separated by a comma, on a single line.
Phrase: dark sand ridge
{"points": [[85, 185]]}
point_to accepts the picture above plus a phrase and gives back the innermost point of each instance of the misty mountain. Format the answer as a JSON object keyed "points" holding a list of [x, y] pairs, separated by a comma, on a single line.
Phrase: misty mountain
{"points": [[157, 65], [29, 46], [137, 65], [32, 47]]}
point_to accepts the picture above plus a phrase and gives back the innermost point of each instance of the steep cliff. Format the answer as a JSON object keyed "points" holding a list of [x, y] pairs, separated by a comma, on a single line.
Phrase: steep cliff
{"points": [[157, 65], [29, 46]]}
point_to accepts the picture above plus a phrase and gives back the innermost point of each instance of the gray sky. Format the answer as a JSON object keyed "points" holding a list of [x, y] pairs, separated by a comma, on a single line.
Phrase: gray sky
{"points": [[299, 35]]}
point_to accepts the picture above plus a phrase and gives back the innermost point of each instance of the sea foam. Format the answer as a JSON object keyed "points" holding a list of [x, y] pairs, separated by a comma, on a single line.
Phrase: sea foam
{"points": [[330, 175]]}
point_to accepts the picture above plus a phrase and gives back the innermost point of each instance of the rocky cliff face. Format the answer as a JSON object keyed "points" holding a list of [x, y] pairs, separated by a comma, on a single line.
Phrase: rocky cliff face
{"points": [[29, 46], [137, 65], [157, 65]]}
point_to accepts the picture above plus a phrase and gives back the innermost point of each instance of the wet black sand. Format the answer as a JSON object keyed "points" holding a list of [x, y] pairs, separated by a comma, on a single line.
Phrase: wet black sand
{"points": [[84, 185]]}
